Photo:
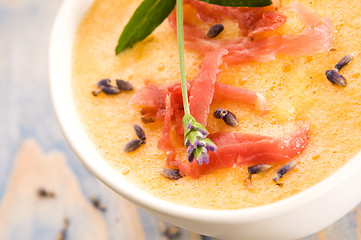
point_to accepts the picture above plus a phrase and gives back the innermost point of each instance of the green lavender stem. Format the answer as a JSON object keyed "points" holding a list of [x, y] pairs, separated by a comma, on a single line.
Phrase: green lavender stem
{"points": [[181, 55], [194, 133]]}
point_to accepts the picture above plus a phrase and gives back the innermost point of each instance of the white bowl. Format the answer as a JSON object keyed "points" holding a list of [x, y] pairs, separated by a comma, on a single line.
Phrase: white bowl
{"points": [[295, 217]]}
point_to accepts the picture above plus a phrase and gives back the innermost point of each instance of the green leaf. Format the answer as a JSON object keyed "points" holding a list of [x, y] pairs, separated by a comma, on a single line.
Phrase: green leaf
{"points": [[240, 3], [149, 15]]}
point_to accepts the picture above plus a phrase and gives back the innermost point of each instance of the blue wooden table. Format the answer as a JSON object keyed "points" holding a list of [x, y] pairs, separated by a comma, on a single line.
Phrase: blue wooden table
{"points": [[45, 191]]}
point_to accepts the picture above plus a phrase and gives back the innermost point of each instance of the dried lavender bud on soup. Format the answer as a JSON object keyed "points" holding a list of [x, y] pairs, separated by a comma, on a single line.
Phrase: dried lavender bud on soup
{"points": [[344, 61], [110, 90], [220, 113], [284, 169], [230, 119], [104, 83], [171, 173], [258, 168], [215, 30], [132, 145], [124, 85], [139, 131], [335, 78]]}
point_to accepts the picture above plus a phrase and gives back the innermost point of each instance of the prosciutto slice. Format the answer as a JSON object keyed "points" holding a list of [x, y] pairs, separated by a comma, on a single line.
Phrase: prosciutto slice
{"points": [[224, 92], [250, 20], [151, 98], [201, 94], [234, 149], [165, 142], [315, 38]]}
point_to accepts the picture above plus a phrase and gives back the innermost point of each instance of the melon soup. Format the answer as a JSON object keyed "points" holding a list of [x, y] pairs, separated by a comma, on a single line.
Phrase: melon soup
{"points": [[292, 81]]}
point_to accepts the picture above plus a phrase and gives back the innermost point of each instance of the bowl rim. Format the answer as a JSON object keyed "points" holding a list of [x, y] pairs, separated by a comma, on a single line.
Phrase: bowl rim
{"points": [[73, 132]]}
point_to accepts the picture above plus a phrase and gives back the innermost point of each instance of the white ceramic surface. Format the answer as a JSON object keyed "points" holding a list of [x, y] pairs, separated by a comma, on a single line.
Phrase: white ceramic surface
{"points": [[295, 217]]}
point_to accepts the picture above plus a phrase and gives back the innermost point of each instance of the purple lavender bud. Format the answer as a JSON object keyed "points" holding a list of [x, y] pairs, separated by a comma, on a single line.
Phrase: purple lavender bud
{"points": [[205, 158], [211, 147], [200, 160], [202, 131], [189, 125], [191, 157], [110, 90], [258, 168], [230, 119], [124, 85], [202, 157], [335, 78], [344, 61], [284, 169], [201, 144], [104, 83], [171, 173], [139, 131], [132, 145], [193, 137], [214, 30], [96, 92], [190, 149], [147, 119], [195, 144], [220, 113]]}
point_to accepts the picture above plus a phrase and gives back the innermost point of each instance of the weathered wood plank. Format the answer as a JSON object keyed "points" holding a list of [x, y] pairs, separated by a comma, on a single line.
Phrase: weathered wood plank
{"points": [[41, 217]]}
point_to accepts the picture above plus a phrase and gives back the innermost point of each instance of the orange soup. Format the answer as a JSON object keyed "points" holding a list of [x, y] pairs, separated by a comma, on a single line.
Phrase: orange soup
{"points": [[295, 87]]}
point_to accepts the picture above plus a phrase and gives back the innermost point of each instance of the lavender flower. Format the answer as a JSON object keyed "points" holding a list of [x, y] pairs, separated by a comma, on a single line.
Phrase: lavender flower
{"points": [[106, 87], [195, 139]]}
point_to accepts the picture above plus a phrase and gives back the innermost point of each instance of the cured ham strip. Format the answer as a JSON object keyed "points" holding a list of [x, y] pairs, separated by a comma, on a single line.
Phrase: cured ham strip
{"points": [[269, 22], [250, 20], [309, 17], [196, 39], [201, 94], [244, 149], [224, 92], [226, 138], [165, 142], [310, 41], [316, 37], [152, 98]]}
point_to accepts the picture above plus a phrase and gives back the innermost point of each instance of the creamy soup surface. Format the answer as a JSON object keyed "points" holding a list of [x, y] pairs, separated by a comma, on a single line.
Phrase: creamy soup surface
{"points": [[295, 88]]}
